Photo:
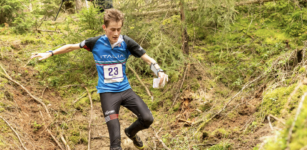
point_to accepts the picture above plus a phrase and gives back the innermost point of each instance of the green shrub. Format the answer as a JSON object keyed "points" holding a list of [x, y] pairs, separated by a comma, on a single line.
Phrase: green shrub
{"points": [[91, 20], [9, 10], [23, 23]]}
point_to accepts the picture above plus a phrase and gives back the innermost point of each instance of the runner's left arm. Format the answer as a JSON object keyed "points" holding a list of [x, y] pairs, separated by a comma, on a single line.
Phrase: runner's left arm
{"points": [[87, 44], [64, 49]]}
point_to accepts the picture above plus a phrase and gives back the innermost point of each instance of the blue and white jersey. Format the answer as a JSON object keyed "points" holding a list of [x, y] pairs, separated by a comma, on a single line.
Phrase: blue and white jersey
{"points": [[111, 61]]}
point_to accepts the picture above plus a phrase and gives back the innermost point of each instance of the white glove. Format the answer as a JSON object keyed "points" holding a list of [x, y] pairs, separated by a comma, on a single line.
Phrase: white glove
{"points": [[156, 82]]}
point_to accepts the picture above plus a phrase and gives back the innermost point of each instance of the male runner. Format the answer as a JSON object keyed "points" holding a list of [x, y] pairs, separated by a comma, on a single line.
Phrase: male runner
{"points": [[111, 52]]}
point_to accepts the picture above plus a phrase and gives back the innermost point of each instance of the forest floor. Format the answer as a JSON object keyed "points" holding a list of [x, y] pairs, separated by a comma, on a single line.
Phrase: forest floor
{"points": [[220, 98], [29, 119]]}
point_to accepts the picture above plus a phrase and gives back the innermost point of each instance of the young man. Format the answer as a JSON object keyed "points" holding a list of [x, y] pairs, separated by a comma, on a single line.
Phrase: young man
{"points": [[111, 52]]}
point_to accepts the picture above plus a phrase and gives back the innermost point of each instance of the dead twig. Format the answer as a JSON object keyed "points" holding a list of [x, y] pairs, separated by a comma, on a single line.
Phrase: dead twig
{"points": [[40, 30], [72, 85], [83, 95], [4, 71], [27, 62], [90, 121], [43, 92], [295, 118], [154, 142], [64, 141], [185, 72], [159, 131], [280, 120], [156, 135], [50, 133], [270, 123], [245, 86], [14, 132], [137, 76], [56, 141], [207, 144], [291, 95], [77, 99], [100, 137], [35, 98], [186, 121]]}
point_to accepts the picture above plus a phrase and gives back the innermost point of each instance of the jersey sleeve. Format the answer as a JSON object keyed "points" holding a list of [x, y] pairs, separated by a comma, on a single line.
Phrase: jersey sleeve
{"points": [[89, 43], [135, 49]]}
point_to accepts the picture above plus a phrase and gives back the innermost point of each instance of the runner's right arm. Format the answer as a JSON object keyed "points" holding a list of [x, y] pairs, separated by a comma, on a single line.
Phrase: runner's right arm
{"points": [[64, 49]]}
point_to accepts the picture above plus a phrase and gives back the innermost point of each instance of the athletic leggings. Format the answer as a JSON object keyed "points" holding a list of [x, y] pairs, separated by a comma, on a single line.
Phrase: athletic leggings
{"points": [[110, 103]]}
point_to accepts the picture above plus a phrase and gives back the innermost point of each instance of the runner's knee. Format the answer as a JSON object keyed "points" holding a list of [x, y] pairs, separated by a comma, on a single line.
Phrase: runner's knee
{"points": [[147, 120]]}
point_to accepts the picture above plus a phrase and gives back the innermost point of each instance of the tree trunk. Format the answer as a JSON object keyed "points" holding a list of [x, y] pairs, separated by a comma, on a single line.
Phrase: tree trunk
{"points": [[30, 6], [185, 36], [86, 4], [78, 5]]}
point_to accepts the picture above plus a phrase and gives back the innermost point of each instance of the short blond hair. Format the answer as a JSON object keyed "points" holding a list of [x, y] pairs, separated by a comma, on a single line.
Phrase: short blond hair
{"points": [[113, 15]]}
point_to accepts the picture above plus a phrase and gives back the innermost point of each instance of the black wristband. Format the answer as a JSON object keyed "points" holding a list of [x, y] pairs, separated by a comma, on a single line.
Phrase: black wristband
{"points": [[51, 52]]}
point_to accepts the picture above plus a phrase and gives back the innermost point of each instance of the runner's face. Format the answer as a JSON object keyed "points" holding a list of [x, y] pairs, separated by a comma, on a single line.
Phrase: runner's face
{"points": [[113, 30]]}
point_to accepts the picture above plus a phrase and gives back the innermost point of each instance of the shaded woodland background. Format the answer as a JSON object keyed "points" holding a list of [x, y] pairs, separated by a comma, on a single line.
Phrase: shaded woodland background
{"points": [[237, 74]]}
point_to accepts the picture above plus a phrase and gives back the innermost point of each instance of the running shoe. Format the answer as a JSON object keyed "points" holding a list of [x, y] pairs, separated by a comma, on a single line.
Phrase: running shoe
{"points": [[136, 140]]}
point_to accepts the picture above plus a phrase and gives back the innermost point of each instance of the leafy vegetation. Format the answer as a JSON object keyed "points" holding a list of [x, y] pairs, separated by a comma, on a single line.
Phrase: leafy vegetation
{"points": [[8, 10]]}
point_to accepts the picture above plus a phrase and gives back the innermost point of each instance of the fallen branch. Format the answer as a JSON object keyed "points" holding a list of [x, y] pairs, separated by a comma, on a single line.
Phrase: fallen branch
{"points": [[270, 123], [56, 141], [207, 144], [40, 30], [100, 137], [77, 99], [185, 72], [154, 142], [27, 62], [50, 133], [246, 124], [43, 92], [295, 118], [213, 116], [83, 95], [65, 143], [283, 122], [90, 121], [35, 98], [14, 132], [186, 121], [156, 135], [72, 85], [291, 95], [4, 71], [137, 76]]}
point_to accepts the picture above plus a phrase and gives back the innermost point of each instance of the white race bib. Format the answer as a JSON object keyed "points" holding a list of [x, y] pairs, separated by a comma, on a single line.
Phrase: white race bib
{"points": [[113, 73]]}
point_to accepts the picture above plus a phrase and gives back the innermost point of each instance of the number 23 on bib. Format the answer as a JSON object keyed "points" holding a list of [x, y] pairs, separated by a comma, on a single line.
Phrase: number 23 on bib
{"points": [[113, 73]]}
